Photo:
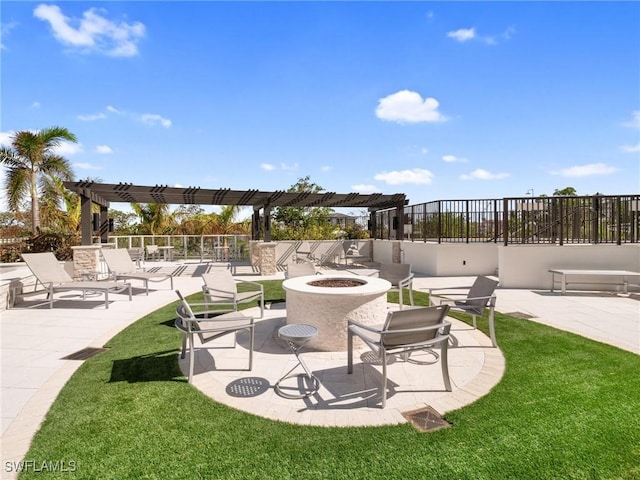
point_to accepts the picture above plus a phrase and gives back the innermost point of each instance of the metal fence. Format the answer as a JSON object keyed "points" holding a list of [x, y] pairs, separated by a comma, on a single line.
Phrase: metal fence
{"points": [[218, 248], [519, 220]]}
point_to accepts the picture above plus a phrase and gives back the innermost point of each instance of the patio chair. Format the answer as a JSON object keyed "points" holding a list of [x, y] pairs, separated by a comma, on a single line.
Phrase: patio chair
{"points": [[54, 278], [152, 252], [352, 251], [404, 331], [300, 269], [137, 255], [209, 325], [121, 266], [221, 289], [303, 253], [400, 277], [478, 297]]}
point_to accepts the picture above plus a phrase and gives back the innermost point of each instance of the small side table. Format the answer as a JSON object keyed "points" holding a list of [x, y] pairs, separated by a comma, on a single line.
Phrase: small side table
{"points": [[297, 336]]}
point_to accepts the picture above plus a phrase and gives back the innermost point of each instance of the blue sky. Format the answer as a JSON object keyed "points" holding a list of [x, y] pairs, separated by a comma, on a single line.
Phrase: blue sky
{"points": [[438, 100]]}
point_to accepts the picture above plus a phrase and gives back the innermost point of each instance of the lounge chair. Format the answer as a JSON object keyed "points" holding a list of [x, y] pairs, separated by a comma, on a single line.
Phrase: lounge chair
{"points": [[404, 331], [478, 297], [121, 266], [221, 289], [400, 276], [209, 325], [52, 275]]}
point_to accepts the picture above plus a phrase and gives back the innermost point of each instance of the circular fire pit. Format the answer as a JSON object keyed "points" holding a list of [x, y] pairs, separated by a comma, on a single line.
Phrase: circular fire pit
{"points": [[328, 301]]}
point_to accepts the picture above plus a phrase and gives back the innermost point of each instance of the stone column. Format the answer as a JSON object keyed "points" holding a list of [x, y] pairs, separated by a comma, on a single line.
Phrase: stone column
{"points": [[86, 260], [267, 258], [396, 251]]}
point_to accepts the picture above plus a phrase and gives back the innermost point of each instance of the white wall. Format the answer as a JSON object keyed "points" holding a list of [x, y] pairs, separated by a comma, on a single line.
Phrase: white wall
{"points": [[526, 266], [518, 266]]}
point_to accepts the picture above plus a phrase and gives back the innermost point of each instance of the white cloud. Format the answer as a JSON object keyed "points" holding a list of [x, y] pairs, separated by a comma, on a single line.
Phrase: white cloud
{"points": [[5, 138], [68, 148], [92, 116], [5, 30], [454, 159], [466, 34], [93, 32], [112, 109], [86, 166], [364, 188], [406, 106], [35, 105], [585, 170], [481, 174], [635, 120], [462, 34], [155, 119], [267, 166], [631, 148], [284, 166], [326, 168], [418, 176], [104, 149]]}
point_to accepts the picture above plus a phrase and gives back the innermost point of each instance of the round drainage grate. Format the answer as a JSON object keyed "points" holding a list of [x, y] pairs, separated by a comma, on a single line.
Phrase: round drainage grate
{"points": [[248, 387]]}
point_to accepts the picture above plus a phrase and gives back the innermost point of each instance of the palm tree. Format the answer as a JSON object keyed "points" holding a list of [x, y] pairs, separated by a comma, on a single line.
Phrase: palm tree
{"points": [[30, 157], [155, 218]]}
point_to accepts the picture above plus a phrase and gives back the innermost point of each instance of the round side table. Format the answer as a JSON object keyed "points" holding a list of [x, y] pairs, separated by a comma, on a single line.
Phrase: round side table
{"points": [[297, 336]]}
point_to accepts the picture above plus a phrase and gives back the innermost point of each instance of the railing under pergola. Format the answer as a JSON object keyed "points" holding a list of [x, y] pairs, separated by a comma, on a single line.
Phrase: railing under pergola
{"points": [[103, 194]]}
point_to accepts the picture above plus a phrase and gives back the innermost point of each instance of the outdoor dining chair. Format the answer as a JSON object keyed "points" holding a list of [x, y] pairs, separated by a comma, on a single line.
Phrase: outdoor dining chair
{"points": [[479, 297], [300, 269], [404, 331], [400, 277], [220, 289], [209, 325]]}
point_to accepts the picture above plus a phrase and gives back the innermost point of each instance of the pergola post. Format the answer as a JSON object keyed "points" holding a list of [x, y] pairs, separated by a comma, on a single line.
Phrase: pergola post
{"points": [[400, 221], [104, 224], [255, 224], [86, 228], [267, 223]]}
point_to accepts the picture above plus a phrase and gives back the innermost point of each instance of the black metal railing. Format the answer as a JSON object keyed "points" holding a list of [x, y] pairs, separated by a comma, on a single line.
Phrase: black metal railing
{"points": [[519, 220]]}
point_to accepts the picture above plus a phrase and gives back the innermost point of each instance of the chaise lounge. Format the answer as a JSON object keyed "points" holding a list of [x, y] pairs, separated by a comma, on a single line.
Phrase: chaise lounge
{"points": [[54, 278]]}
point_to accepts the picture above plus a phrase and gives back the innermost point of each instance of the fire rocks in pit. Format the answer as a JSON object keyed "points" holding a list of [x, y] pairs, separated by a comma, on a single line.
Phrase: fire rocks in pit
{"points": [[336, 283]]}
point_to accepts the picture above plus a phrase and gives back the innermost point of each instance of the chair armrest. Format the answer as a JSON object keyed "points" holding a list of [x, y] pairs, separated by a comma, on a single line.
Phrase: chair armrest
{"points": [[363, 326], [249, 282], [406, 282]]}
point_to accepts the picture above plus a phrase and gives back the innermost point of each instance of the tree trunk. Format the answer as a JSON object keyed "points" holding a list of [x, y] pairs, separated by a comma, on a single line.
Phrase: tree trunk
{"points": [[35, 207]]}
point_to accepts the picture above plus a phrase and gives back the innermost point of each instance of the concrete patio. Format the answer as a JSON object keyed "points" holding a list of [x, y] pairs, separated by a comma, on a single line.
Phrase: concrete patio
{"points": [[34, 341]]}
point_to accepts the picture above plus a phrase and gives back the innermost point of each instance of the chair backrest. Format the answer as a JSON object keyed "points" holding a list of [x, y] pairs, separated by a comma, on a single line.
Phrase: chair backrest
{"points": [[394, 272], [152, 249], [412, 318], [118, 260], [303, 249], [300, 269], [46, 268], [482, 287], [184, 310], [220, 285]]}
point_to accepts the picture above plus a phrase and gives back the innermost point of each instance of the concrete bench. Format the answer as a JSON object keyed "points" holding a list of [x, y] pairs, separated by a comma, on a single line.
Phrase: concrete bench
{"points": [[565, 273]]}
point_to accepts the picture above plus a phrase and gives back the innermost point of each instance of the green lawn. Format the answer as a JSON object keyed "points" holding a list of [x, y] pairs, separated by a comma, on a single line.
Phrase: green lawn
{"points": [[566, 408]]}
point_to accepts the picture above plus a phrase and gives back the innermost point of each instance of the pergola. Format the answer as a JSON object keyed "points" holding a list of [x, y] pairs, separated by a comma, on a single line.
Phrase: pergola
{"points": [[103, 194]]}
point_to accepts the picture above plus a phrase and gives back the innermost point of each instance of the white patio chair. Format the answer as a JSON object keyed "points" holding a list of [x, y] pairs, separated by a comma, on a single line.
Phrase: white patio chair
{"points": [[221, 289], [404, 331], [209, 325]]}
